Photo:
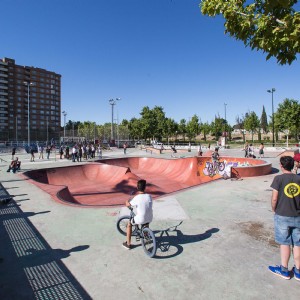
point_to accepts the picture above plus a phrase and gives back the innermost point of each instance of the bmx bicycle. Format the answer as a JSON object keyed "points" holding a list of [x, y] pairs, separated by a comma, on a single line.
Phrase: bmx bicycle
{"points": [[141, 232]]}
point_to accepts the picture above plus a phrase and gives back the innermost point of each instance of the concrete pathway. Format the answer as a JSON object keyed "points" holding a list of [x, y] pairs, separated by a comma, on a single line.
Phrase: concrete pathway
{"points": [[215, 242]]}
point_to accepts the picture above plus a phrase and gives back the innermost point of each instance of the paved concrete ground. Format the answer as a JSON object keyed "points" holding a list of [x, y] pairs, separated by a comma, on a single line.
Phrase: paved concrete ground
{"points": [[215, 241]]}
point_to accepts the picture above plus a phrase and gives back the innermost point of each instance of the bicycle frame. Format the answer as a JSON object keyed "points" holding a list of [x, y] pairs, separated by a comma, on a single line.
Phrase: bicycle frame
{"points": [[142, 233]]}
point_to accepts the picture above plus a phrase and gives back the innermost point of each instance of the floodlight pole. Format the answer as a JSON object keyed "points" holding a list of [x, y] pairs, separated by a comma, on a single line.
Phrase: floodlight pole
{"points": [[273, 125], [28, 84], [112, 102]]}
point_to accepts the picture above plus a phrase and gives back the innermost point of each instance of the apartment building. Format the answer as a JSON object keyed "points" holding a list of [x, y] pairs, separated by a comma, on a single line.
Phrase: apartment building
{"points": [[44, 99]]}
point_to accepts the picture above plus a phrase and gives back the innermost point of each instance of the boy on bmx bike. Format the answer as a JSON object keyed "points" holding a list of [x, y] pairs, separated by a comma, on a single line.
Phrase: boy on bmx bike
{"points": [[144, 213]]}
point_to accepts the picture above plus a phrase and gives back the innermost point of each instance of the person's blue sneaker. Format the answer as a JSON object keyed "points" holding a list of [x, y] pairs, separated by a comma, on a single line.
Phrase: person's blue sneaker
{"points": [[296, 274], [278, 271]]}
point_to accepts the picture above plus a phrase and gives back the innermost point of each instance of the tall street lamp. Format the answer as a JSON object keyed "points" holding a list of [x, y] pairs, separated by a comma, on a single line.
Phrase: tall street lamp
{"points": [[225, 104], [17, 130], [47, 132], [273, 125], [112, 102], [65, 114], [28, 84]]}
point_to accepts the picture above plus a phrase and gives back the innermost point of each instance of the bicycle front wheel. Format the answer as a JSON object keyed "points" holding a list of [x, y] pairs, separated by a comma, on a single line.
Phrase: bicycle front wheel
{"points": [[148, 242], [122, 225]]}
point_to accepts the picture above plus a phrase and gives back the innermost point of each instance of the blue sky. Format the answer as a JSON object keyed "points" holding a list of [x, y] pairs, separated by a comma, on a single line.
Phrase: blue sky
{"points": [[146, 52]]}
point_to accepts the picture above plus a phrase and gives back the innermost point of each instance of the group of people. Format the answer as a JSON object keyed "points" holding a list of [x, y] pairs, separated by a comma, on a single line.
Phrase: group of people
{"points": [[81, 151], [249, 150], [40, 150]]}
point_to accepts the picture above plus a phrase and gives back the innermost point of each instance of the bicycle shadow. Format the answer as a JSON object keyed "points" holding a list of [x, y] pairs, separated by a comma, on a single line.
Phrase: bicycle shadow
{"points": [[169, 241]]}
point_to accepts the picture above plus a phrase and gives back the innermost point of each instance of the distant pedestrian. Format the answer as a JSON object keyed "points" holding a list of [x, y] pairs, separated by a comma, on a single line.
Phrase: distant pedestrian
{"points": [[100, 151], [79, 153], [124, 147], [84, 152], [93, 151], [67, 152], [199, 150], [61, 151], [32, 154], [74, 153], [261, 150], [48, 150], [251, 151], [41, 152], [161, 148], [246, 149], [13, 152]]}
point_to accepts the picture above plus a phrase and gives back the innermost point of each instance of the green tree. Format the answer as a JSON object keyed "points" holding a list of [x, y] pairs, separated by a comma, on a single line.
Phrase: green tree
{"points": [[147, 123], [72, 125], [217, 127], [205, 128], [270, 26], [87, 130], [240, 126], [182, 128], [192, 127], [152, 122], [170, 128], [160, 122], [134, 128], [287, 117], [264, 121], [251, 123]]}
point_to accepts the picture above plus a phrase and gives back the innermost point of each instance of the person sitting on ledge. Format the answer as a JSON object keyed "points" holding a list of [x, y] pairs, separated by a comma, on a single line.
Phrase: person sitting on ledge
{"points": [[15, 165]]}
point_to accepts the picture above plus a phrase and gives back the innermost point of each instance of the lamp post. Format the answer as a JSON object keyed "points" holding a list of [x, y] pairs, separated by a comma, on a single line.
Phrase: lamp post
{"points": [[273, 125], [17, 130], [112, 102], [47, 132], [28, 84], [65, 114], [73, 131], [225, 104]]}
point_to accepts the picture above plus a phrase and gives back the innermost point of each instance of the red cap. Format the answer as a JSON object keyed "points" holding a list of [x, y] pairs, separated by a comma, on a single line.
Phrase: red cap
{"points": [[297, 157]]}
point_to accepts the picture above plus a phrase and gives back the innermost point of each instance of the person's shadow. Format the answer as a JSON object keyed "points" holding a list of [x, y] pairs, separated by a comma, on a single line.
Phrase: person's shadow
{"points": [[169, 241], [36, 257]]}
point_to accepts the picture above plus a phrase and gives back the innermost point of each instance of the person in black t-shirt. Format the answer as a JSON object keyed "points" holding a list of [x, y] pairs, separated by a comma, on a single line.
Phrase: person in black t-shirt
{"points": [[286, 205]]}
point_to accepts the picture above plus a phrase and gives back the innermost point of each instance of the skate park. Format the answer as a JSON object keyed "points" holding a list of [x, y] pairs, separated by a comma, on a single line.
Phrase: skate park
{"points": [[216, 239], [108, 182]]}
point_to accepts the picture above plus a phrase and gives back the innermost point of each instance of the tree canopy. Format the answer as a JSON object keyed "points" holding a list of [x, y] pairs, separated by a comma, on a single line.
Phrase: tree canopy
{"points": [[287, 116], [251, 122], [270, 26], [264, 120]]}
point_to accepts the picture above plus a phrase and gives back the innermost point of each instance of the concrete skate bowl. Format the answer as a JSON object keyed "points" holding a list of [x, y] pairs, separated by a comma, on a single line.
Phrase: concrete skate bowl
{"points": [[109, 182]]}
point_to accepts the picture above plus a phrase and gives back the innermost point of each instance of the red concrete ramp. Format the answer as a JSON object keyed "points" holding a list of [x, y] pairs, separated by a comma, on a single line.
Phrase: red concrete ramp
{"points": [[110, 182]]}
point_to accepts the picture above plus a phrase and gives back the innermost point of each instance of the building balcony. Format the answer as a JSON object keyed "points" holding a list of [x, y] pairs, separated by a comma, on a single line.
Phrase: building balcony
{"points": [[4, 93], [3, 69], [3, 75]]}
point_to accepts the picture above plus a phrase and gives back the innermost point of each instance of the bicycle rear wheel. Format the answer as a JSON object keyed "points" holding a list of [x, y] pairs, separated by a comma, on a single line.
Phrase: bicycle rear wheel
{"points": [[122, 225], [148, 241]]}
